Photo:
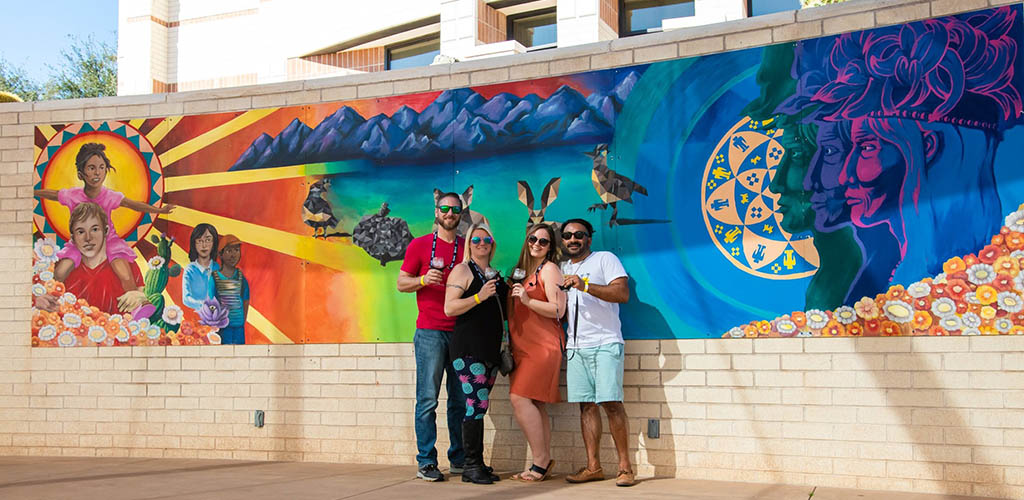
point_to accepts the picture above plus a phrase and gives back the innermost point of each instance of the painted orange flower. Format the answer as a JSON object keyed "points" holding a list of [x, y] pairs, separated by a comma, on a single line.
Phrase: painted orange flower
{"points": [[1002, 283], [922, 320], [939, 290], [937, 331], [890, 329], [1014, 240], [1007, 265], [922, 303], [962, 307], [954, 265], [1017, 330], [866, 308], [750, 331], [998, 240], [970, 260], [833, 329], [872, 326], [799, 318], [855, 329], [58, 288], [986, 294], [957, 288], [989, 254], [764, 328], [988, 330]]}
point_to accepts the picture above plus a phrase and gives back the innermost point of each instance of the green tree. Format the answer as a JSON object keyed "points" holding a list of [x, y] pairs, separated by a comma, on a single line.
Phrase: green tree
{"points": [[89, 70], [14, 80]]}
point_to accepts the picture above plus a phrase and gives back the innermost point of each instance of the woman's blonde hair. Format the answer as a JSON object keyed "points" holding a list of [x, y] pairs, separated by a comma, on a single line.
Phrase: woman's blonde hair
{"points": [[469, 236]]}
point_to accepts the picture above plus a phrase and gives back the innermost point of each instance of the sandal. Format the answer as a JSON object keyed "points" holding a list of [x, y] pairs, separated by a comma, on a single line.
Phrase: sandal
{"points": [[536, 469]]}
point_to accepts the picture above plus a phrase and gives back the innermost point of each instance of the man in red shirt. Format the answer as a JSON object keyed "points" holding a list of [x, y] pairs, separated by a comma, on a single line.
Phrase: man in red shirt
{"points": [[95, 280], [428, 260]]}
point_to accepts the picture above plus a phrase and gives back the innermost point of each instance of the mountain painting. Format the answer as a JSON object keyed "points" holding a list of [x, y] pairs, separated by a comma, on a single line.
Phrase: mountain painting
{"points": [[852, 185]]}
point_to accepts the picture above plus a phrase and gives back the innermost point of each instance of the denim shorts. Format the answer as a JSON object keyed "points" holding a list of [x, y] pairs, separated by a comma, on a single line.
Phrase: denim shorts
{"points": [[594, 374]]}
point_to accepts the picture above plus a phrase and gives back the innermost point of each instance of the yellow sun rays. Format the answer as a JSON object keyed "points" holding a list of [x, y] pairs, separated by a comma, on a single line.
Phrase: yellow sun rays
{"points": [[325, 253], [160, 131], [215, 179], [209, 137], [253, 317]]}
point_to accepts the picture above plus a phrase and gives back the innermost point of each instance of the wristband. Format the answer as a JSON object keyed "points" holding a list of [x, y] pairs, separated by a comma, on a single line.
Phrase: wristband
{"points": [[421, 281], [476, 297], [586, 285]]}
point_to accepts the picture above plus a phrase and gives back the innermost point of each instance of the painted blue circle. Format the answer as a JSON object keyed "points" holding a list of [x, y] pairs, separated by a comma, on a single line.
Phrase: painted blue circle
{"points": [[458, 364], [482, 394], [470, 411], [477, 368], [467, 388]]}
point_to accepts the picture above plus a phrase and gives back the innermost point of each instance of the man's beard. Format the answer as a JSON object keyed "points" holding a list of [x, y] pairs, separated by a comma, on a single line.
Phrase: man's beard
{"points": [[448, 225], [580, 250]]}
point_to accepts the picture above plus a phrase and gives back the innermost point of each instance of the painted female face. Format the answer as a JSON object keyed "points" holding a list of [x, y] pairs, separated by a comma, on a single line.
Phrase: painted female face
{"points": [[873, 175], [480, 244], [823, 177], [94, 172], [794, 200], [204, 245]]}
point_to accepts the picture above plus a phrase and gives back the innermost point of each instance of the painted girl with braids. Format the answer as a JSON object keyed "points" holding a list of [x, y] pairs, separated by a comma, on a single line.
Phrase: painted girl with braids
{"points": [[92, 165]]}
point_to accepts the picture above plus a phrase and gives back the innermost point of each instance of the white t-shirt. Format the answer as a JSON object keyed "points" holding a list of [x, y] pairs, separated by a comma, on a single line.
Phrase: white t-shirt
{"points": [[598, 319]]}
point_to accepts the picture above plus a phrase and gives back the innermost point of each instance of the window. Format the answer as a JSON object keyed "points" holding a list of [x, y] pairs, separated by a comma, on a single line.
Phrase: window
{"points": [[760, 7], [640, 16], [415, 53], [534, 29]]}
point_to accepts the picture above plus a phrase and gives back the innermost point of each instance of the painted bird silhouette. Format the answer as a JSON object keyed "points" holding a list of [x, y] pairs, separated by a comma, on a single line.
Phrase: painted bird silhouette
{"points": [[611, 186], [316, 211]]}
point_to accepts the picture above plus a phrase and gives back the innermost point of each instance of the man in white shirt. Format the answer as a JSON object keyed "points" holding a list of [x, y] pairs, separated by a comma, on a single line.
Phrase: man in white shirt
{"points": [[597, 284]]}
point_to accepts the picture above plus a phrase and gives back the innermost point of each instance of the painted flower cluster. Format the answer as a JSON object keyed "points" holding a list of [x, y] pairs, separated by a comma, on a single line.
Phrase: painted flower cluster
{"points": [[976, 294], [77, 323]]}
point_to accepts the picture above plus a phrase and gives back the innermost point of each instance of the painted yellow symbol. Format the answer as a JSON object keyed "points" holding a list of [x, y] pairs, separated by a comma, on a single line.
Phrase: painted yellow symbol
{"points": [[732, 234], [789, 261]]}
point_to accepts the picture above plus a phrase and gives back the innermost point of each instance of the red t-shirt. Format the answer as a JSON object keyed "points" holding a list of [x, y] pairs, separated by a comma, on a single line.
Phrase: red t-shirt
{"points": [[430, 299], [99, 287]]}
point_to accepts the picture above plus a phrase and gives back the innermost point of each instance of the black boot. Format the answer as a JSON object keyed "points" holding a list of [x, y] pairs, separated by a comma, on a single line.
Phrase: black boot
{"points": [[473, 442]]}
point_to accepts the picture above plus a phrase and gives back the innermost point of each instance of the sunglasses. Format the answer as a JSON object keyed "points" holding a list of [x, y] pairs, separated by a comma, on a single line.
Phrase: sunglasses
{"points": [[487, 240], [538, 241], [578, 234], [445, 208]]}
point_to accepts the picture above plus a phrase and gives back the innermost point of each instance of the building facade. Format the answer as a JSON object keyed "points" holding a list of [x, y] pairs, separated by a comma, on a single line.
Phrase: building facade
{"points": [[180, 45]]}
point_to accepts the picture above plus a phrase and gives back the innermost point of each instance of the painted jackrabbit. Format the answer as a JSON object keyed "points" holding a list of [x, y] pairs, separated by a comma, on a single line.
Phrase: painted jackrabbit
{"points": [[547, 197]]}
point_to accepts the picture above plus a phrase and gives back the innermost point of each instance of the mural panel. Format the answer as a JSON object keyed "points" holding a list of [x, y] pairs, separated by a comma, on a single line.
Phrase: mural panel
{"points": [[848, 185]]}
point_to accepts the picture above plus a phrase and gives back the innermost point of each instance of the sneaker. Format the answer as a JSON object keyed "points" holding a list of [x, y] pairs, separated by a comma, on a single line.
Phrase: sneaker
{"points": [[455, 469], [430, 473]]}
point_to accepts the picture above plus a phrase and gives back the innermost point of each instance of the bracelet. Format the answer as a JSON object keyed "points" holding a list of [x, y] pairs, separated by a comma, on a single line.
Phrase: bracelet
{"points": [[421, 281], [476, 297]]}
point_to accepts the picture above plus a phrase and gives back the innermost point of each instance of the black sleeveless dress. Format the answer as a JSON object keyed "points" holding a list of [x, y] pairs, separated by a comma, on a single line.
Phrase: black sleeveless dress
{"points": [[478, 331]]}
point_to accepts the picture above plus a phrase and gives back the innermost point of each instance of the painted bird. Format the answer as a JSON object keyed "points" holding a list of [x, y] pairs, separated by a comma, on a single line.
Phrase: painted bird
{"points": [[611, 186], [316, 211]]}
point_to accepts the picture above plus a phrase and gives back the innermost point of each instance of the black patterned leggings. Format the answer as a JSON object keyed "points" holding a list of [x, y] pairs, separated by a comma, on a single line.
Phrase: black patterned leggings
{"points": [[477, 380]]}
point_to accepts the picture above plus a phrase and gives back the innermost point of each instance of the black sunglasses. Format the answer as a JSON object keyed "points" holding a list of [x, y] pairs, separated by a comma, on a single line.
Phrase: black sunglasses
{"points": [[445, 208], [486, 239], [539, 241], [578, 234]]}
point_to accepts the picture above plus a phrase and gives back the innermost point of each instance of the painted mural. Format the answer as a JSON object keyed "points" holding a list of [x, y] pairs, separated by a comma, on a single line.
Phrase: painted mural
{"points": [[856, 184]]}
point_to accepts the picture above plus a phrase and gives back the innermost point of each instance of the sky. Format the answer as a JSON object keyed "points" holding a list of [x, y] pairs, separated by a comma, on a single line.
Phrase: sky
{"points": [[34, 32]]}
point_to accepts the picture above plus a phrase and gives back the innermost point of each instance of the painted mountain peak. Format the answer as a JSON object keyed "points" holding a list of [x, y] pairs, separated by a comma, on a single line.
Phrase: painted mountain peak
{"points": [[457, 121]]}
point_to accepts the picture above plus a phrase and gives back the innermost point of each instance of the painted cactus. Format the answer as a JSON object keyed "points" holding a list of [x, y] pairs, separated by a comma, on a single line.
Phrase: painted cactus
{"points": [[160, 269]]}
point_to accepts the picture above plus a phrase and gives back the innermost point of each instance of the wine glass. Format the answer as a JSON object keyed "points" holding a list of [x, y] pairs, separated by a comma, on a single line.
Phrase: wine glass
{"points": [[490, 273], [518, 275], [437, 263]]}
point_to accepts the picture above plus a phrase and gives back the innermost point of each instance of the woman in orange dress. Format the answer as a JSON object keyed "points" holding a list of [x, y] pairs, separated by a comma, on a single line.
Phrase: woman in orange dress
{"points": [[536, 340]]}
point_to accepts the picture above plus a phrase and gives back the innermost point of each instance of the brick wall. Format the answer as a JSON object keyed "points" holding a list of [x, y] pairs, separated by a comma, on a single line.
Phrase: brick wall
{"points": [[922, 414]]}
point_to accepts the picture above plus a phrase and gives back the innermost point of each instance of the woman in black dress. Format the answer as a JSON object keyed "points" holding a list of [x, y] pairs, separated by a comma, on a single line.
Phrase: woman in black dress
{"points": [[475, 295]]}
